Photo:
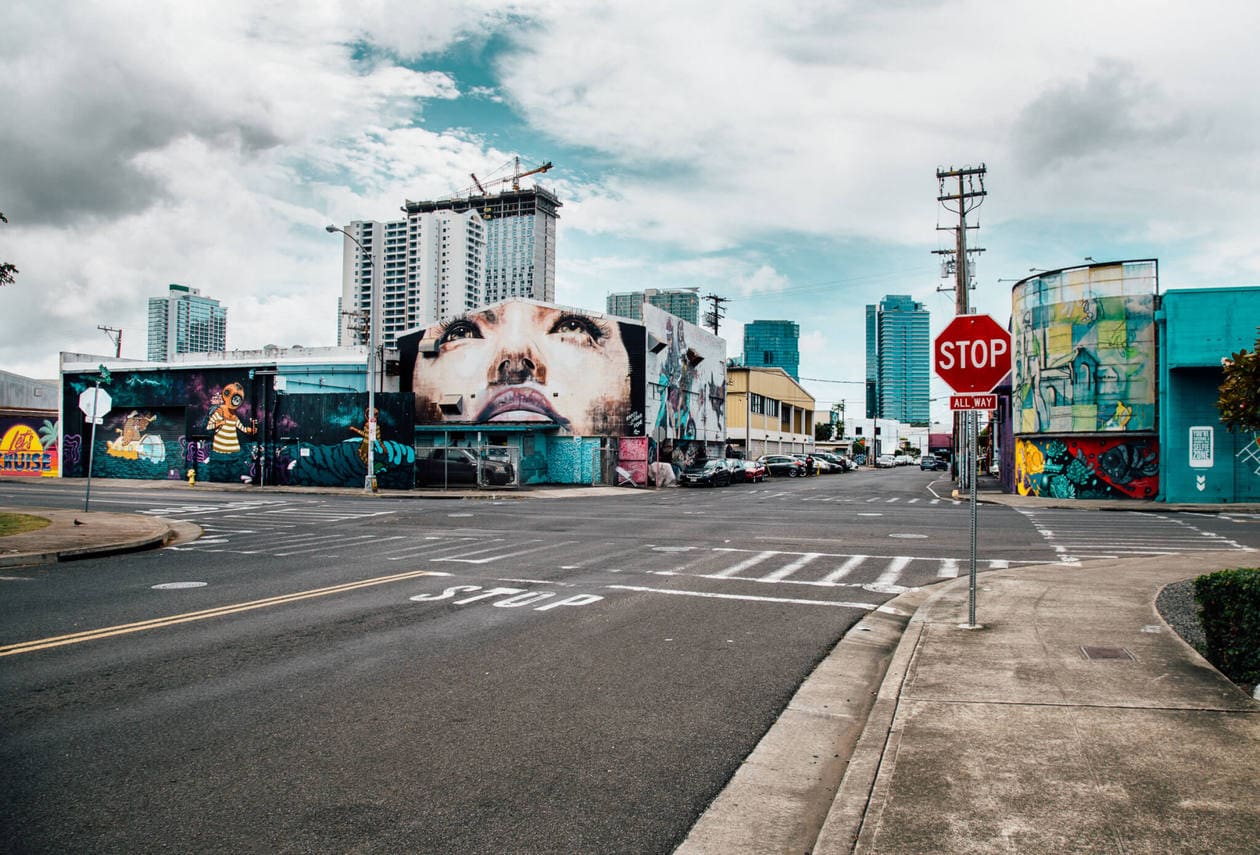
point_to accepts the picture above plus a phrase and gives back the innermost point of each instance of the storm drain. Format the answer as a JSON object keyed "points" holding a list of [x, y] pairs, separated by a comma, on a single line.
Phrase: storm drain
{"points": [[1106, 653]]}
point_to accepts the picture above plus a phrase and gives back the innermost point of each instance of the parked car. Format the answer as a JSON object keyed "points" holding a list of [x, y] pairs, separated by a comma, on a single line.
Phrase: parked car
{"points": [[931, 463], [886, 461], [783, 465], [836, 461], [735, 466], [754, 471], [711, 473], [903, 459], [460, 466]]}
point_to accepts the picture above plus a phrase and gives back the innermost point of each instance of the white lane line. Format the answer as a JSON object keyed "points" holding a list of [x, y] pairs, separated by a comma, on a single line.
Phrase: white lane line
{"points": [[870, 607], [788, 569], [349, 541], [514, 553], [843, 570], [742, 565], [949, 569]]}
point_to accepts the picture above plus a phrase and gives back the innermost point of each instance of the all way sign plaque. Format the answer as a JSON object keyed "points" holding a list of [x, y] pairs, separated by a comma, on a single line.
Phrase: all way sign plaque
{"points": [[973, 402]]}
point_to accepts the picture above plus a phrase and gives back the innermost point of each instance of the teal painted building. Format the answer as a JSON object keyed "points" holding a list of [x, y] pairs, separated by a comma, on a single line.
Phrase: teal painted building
{"points": [[1202, 461]]}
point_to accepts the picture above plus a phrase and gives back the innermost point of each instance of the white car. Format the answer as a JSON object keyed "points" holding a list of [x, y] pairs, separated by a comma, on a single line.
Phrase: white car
{"points": [[903, 460], [885, 461]]}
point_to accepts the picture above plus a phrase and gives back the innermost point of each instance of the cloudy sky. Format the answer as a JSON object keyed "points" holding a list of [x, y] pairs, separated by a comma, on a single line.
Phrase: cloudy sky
{"points": [[780, 154]]}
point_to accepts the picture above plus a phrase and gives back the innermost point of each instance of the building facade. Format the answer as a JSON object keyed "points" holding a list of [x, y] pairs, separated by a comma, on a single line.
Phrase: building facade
{"points": [[768, 412], [445, 258], [682, 302], [773, 344], [185, 322], [1084, 405], [273, 416], [898, 360], [1200, 459], [28, 427], [571, 396]]}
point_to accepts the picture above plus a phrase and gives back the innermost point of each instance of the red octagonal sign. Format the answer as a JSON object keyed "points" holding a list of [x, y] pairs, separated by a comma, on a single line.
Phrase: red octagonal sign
{"points": [[972, 353]]}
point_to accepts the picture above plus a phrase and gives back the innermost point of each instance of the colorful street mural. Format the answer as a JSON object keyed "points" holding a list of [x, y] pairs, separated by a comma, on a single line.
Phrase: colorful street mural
{"points": [[526, 362], [28, 446], [1096, 467], [1084, 354], [689, 379], [632, 461], [231, 425]]}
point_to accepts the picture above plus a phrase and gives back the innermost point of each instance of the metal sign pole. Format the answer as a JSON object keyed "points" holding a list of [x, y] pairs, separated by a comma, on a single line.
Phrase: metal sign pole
{"points": [[972, 419], [96, 407]]}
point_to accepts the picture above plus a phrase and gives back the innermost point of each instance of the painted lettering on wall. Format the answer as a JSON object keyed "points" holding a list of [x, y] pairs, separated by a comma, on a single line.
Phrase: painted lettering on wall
{"points": [[27, 451]]}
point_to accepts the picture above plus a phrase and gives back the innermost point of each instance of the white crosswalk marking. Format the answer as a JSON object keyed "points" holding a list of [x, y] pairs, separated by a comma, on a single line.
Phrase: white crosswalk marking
{"points": [[788, 569], [743, 565], [843, 570]]}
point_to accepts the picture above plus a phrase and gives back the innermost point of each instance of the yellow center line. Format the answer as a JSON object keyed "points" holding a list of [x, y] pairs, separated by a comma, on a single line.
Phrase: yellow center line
{"points": [[205, 614]]}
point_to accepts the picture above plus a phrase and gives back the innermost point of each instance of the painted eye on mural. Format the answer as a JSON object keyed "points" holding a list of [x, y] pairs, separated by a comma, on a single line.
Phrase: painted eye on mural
{"points": [[577, 325], [457, 329]]}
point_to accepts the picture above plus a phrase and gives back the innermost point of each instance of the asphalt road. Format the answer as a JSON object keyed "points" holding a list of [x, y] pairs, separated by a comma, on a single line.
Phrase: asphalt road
{"points": [[331, 674]]}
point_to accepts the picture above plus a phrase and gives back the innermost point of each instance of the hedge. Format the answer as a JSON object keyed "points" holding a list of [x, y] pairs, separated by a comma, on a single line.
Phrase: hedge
{"points": [[1229, 607]]}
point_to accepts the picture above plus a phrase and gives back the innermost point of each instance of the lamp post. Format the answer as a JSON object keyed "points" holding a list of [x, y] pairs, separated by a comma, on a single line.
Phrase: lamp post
{"points": [[369, 481]]}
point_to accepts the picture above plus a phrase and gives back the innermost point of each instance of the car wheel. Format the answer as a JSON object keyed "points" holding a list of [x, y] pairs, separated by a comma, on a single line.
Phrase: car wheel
{"points": [[792, 473]]}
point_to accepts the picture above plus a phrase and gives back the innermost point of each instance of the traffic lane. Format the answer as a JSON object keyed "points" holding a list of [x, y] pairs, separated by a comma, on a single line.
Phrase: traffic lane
{"points": [[379, 722]]}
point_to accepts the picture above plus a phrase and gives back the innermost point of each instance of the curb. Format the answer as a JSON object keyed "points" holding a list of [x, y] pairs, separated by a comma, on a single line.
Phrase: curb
{"points": [[794, 773]]}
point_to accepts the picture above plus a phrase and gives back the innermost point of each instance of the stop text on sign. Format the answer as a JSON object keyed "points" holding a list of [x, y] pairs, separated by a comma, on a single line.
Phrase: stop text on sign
{"points": [[980, 353]]}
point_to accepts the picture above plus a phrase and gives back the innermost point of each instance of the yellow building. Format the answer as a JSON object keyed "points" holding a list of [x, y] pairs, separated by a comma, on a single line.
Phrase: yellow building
{"points": [[767, 412]]}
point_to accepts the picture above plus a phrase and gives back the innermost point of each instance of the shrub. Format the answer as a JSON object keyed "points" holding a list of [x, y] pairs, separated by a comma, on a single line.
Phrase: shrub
{"points": [[1229, 606]]}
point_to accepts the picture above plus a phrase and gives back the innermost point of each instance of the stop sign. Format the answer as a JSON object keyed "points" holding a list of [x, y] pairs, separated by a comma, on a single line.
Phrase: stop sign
{"points": [[972, 353]]}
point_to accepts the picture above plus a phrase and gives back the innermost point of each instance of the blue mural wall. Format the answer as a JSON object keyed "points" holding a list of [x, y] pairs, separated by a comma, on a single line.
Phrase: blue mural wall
{"points": [[229, 425]]}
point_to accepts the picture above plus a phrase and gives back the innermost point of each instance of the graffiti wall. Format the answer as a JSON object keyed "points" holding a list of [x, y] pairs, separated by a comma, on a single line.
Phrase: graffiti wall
{"points": [[1084, 350], [1087, 467], [686, 367], [231, 425], [28, 445], [523, 361]]}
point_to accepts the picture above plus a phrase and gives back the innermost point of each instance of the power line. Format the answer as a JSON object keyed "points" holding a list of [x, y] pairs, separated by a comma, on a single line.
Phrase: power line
{"points": [[713, 317]]}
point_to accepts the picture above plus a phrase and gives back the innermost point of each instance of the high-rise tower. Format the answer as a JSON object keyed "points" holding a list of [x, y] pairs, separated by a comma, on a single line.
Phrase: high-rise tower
{"points": [[185, 322], [773, 343], [449, 256], [898, 360]]}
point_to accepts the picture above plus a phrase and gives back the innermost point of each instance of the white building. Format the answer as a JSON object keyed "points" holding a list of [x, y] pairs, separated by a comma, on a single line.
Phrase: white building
{"points": [[185, 322], [447, 257]]}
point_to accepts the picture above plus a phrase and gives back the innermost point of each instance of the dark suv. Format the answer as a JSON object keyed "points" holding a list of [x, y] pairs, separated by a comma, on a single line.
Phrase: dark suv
{"points": [[932, 463], [459, 466]]}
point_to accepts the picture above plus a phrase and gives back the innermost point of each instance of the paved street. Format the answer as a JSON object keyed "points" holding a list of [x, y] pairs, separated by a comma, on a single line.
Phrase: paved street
{"points": [[325, 673]]}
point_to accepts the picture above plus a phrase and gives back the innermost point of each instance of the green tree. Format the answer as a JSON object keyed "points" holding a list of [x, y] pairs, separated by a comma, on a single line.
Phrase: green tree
{"points": [[7, 271], [1239, 400]]}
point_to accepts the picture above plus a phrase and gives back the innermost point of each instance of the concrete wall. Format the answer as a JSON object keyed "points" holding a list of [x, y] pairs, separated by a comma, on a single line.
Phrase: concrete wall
{"points": [[1202, 461]]}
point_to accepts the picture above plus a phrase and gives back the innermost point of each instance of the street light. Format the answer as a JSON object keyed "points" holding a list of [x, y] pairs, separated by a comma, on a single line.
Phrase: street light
{"points": [[369, 481]]}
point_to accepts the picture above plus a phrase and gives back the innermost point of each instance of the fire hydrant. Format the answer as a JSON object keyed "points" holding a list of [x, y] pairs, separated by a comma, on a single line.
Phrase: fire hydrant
{"points": [[192, 477]]}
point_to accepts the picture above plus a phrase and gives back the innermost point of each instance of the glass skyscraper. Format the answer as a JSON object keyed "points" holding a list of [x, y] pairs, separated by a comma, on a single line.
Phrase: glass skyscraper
{"points": [[898, 360], [773, 343], [185, 322]]}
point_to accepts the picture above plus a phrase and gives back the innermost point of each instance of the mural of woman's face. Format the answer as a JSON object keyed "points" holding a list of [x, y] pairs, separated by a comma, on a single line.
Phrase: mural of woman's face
{"points": [[522, 362]]}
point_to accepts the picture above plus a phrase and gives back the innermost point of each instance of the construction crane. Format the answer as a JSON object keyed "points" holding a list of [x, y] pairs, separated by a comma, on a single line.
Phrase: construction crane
{"points": [[517, 175], [514, 180]]}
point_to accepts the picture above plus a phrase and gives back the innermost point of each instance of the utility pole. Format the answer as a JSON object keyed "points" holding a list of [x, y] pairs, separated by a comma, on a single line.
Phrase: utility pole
{"points": [[713, 317], [116, 339], [969, 195]]}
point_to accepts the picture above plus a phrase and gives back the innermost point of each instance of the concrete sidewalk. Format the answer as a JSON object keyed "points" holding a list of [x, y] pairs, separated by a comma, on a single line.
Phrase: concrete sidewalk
{"points": [[1075, 720]]}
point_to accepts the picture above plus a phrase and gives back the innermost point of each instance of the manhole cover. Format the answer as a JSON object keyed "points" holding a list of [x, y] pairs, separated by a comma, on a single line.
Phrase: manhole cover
{"points": [[1106, 653], [176, 586]]}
